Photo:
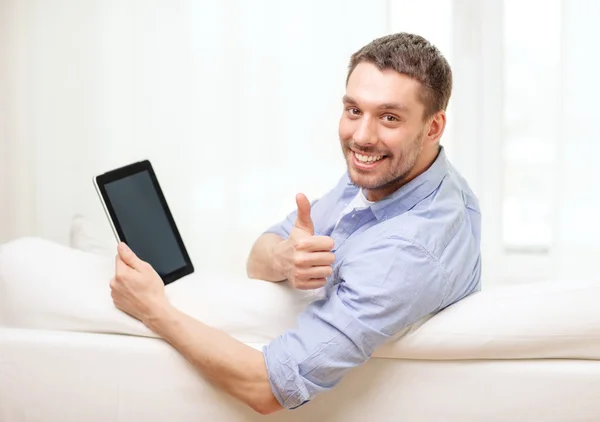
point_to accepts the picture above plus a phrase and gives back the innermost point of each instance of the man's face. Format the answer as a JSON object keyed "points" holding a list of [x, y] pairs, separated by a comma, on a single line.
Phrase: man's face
{"points": [[381, 128]]}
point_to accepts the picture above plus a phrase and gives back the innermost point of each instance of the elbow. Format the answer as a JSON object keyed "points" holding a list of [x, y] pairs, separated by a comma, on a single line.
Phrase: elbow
{"points": [[251, 269], [264, 411], [253, 266], [265, 404], [249, 272]]}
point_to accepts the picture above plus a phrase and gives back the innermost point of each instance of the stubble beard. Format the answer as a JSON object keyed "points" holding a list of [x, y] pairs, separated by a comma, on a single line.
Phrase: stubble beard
{"points": [[400, 167]]}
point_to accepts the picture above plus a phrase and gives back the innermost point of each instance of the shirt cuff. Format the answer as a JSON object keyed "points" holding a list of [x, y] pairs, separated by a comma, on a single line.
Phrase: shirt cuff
{"points": [[286, 383]]}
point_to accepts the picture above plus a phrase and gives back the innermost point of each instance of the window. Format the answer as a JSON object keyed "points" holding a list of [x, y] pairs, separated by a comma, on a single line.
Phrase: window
{"points": [[532, 56]]}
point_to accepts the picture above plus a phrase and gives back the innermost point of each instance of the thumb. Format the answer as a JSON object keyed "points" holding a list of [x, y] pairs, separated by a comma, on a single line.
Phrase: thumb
{"points": [[128, 256], [303, 221]]}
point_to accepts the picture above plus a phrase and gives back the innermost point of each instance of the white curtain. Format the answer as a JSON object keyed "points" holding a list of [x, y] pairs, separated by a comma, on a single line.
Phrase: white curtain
{"points": [[577, 226], [236, 104], [526, 96], [4, 206]]}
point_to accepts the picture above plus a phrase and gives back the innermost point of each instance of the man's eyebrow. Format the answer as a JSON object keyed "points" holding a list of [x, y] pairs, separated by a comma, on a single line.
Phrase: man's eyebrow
{"points": [[385, 106], [393, 106], [347, 99]]}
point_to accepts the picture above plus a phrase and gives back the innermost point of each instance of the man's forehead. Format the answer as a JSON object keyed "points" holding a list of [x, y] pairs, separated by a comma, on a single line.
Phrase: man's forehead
{"points": [[374, 87]]}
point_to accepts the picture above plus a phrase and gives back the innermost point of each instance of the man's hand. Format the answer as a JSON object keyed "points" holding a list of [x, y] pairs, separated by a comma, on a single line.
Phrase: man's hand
{"points": [[136, 288], [305, 259], [236, 367]]}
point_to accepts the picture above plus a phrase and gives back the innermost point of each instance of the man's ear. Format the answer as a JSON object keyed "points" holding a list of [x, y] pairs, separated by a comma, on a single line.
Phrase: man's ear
{"points": [[436, 126]]}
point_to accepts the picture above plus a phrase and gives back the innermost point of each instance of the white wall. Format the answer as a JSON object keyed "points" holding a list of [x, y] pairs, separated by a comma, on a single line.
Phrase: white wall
{"points": [[236, 104], [4, 205], [17, 186], [578, 226]]}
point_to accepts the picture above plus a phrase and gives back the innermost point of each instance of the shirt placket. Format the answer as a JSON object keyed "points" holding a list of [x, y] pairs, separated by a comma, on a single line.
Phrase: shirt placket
{"points": [[348, 225]]}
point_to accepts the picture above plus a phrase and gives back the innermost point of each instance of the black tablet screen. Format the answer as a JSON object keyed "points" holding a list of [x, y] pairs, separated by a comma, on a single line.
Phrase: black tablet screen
{"points": [[144, 222]]}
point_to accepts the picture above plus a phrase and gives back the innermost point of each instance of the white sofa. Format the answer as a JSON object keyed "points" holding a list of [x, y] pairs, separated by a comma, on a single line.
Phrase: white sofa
{"points": [[516, 353]]}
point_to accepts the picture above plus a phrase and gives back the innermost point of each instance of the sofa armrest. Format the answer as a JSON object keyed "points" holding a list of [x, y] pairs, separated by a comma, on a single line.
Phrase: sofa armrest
{"points": [[527, 321]]}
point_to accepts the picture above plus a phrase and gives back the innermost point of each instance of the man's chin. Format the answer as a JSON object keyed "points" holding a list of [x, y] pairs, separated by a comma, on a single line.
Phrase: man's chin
{"points": [[372, 182], [363, 181]]}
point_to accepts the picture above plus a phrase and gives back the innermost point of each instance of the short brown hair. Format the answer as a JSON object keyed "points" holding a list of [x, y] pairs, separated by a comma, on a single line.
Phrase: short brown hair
{"points": [[413, 56]]}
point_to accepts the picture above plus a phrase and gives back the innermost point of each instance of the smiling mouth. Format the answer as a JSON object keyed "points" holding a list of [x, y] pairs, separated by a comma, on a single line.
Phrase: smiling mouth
{"points": [[366, 163], [367, 159]]}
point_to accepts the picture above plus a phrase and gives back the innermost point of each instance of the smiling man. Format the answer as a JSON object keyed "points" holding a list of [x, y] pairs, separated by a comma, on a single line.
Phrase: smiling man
{"points": [[397, 239]]}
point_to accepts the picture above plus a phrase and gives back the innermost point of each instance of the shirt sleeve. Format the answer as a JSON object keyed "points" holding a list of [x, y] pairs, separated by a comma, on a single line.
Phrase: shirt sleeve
{"points": [[284, 227], [383, 288]]}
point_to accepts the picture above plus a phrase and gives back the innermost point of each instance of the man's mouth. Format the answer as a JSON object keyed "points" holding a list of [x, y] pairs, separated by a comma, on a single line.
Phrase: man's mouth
{"points": [[366, 162], [367, 158]]}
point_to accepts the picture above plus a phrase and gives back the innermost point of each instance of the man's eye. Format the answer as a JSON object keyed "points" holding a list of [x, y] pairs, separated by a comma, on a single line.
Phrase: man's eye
{"points": [[390, 119], [353, 110]]}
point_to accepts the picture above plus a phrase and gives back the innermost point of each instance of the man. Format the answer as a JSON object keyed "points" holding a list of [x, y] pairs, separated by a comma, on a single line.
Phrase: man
{"points": [[395, 241]]}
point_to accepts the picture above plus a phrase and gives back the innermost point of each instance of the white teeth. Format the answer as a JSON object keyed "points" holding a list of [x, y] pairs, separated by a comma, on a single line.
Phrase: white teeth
{"points": [[368, 158]]}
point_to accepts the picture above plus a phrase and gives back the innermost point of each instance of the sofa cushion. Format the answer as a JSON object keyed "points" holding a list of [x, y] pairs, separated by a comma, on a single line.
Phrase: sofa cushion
{"points": [[49, 286]]}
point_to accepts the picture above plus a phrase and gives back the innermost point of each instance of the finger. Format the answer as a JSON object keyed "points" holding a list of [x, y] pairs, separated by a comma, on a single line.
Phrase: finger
{"points": [[121, 266], [129, 257], [311, 259], [123, 271], [303, 220], [315, 244], [322, 271], [311, 284]]}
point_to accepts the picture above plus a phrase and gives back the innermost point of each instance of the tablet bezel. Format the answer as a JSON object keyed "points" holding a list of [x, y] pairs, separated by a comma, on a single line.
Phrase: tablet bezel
{"points": [[128, 170]]}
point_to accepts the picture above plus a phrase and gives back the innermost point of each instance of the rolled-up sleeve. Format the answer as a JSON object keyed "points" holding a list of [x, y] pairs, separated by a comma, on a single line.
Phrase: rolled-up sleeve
{"points": [[389, 285]]}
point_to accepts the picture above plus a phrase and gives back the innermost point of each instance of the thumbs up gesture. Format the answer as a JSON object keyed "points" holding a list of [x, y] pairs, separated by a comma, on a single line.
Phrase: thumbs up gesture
{"points": [[305, 259], [303, 220]]}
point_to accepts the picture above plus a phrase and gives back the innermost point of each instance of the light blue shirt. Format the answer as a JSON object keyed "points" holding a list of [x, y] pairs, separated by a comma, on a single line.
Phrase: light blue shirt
{"points": [[407, 256]]}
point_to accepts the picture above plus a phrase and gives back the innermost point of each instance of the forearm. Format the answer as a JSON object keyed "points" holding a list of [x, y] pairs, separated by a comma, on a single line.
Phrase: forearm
{"points": [[261, 263], [231, 365]]}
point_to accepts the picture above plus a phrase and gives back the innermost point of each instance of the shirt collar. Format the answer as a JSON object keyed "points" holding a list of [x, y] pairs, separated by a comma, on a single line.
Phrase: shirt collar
{"points": [[408, 195]]}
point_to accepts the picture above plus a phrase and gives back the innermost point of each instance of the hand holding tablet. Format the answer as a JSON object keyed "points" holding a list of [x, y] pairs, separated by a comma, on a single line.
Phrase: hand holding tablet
{"points": [[140, 217]]}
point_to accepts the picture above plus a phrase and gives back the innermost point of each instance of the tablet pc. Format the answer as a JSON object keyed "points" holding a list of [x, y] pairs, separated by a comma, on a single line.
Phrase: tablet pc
{"points": [[140, 217]]}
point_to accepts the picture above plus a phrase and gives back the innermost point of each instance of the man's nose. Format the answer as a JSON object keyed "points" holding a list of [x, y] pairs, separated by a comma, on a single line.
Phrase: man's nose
{"points": [[365, 133]]}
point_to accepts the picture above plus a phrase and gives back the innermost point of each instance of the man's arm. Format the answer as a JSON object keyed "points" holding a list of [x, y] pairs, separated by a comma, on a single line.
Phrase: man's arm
{"points": [[261, 264], [386, 286], [231, 365], [235, 367], [293, 252]]}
